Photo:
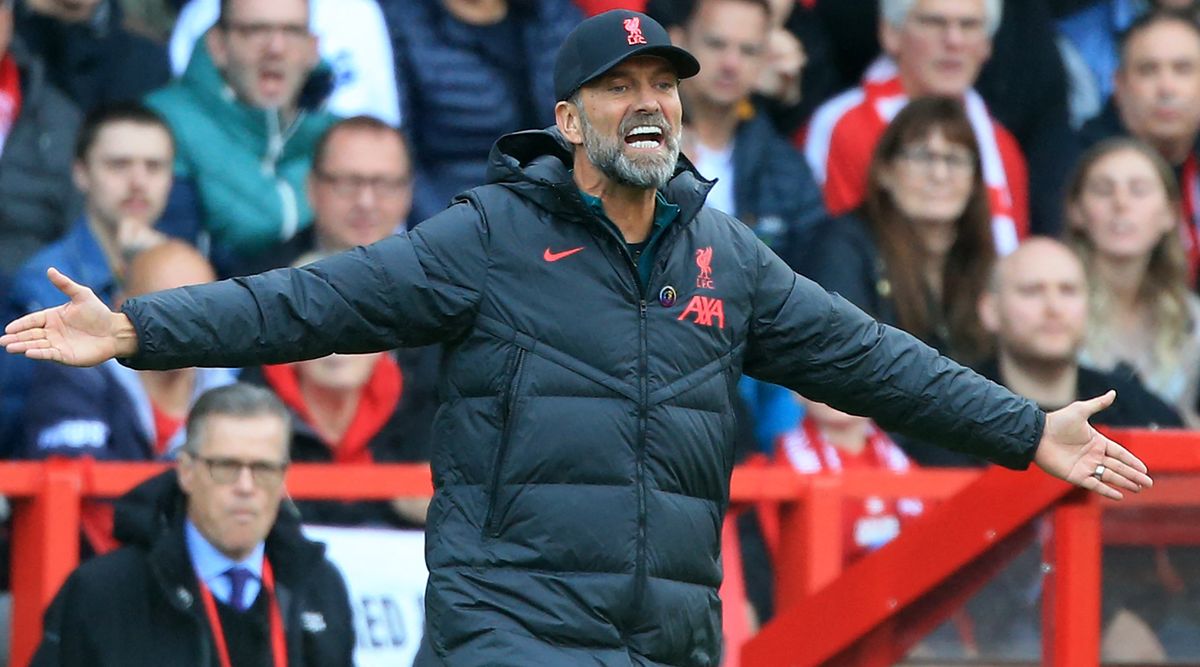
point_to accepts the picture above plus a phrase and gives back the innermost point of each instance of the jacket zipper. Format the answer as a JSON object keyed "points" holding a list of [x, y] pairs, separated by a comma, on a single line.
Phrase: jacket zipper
{"points": [[491, 522], [639, 581]]}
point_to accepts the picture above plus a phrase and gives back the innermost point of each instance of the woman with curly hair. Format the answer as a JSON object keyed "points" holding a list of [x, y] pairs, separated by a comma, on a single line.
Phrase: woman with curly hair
{"points": [[1122, 214]]}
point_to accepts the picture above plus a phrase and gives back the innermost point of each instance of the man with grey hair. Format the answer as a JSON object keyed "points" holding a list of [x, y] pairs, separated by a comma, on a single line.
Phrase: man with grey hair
{"points": [[597, 317], [931, 47], [213, 570]]}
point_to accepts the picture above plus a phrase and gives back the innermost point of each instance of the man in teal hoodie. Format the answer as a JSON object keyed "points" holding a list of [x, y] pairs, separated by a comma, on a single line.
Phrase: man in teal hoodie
{"points": [[246, 115]]}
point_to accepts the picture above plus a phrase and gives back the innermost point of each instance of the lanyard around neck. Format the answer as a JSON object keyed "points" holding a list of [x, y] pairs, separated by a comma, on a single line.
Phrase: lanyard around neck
{"points": [[278, 642]]}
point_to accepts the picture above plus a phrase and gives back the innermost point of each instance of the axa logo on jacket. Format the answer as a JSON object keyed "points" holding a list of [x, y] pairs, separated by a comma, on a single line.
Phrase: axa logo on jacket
{"points": [[706, 309]]}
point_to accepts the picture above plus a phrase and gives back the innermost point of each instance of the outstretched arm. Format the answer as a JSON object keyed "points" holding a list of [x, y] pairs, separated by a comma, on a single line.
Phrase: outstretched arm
{"points": [[823, 347], [81, 332], [403, 291]]}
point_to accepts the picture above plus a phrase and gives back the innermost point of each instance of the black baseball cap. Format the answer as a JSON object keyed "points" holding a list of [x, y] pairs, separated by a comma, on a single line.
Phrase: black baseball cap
{"points": [[599, 43]]}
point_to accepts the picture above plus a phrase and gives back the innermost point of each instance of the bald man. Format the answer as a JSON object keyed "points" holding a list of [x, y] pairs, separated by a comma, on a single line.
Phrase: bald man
{"points": [[1036, 306], [109, 411]]}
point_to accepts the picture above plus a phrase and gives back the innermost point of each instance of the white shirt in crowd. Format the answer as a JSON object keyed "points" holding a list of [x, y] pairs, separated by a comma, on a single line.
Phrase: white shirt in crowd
{"points": [[718, 164]]}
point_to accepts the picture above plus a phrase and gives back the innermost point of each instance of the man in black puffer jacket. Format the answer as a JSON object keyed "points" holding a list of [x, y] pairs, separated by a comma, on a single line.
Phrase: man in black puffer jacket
{"points": [[596, 320]]}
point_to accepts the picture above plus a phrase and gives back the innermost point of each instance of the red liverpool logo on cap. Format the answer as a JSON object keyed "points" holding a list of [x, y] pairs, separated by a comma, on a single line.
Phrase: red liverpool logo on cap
{"points": [[633, 26]]}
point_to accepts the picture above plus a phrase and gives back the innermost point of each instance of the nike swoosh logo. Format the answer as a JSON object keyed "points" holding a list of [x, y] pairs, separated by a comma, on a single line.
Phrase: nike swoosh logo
{"points": [[555, 256]]}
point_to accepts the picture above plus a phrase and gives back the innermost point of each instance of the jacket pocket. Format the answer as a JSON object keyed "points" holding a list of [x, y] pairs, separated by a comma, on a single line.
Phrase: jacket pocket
{"points": [[491, 523]]}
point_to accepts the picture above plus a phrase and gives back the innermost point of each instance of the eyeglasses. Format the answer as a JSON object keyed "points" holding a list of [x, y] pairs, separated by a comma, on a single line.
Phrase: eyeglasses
{"points": [[227, 471], [958, 163], [261, 33], [348, 185]]}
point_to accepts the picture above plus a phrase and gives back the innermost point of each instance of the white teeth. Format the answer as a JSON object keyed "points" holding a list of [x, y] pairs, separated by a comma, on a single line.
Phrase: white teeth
{"points": [[645, 144], [644, 129]]}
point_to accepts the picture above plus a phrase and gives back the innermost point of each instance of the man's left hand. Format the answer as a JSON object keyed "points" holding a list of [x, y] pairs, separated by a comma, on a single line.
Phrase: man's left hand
{"points": [[1071, 449]]}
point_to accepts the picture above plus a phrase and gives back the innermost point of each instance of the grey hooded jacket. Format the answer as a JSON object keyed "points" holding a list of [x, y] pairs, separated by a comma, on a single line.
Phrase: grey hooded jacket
{"points": [[582, 452]]}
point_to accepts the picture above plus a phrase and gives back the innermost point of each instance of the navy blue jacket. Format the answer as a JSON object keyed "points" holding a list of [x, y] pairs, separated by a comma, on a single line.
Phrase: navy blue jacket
{"points": [[458, 92], [583, 448]]}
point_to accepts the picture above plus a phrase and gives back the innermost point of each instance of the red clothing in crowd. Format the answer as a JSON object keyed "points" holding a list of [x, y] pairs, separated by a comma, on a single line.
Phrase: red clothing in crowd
{"points": [[871, 522], [841, 139]]}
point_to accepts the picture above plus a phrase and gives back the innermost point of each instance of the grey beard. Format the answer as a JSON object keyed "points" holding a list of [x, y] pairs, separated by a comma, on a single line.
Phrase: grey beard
{"points": [[607, 156]]}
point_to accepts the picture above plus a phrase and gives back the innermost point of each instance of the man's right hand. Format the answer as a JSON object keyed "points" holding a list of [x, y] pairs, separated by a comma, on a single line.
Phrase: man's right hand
{"points": [[81, 332]]}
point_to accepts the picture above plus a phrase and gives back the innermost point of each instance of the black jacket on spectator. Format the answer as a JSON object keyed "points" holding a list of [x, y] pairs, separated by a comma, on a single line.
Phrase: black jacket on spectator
{"points": [[140, 605], [37, 196], [463, 86], [583, 448], [1135, 406], [1104, 125], [774, 190], [97, 61]]}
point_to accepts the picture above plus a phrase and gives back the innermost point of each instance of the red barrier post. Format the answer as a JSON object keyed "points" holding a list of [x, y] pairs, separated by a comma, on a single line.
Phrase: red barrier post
{"points": [[1071, 602], [45, 550], [808, 558]]}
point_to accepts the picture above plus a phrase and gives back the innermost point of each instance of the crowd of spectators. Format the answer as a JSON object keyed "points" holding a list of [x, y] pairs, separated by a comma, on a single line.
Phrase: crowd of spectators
{"points": [[1015, 183]]}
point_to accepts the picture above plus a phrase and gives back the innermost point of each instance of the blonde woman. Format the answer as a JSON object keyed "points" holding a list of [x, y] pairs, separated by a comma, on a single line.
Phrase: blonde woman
{"points": [[1123, 208]]}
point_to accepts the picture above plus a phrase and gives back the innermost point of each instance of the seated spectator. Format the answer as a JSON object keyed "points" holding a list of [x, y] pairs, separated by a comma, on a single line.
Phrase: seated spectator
{"points": [[123, 168], [360, 189], [470, 72], [37, 129], [246, 115], [113, 413], [931, 49], [1123, 216], [216, 569], [917, 253], [1092, 32], [358, 408], [761, 180], [830, 441], [88, 53], [1036, 306], [1156, 99], [351, 37]]}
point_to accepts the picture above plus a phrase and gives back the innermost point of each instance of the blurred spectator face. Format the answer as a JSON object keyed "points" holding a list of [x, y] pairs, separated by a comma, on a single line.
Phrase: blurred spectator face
{"points": [[69, 11], [1123, 207], [1038, 306], [930, 181], [126, 175], [362, 190], [1157, 88], [168, 265], [234, 481], [265, 50], [728, 37], [338, 372], [640, 94], [940, 47]]}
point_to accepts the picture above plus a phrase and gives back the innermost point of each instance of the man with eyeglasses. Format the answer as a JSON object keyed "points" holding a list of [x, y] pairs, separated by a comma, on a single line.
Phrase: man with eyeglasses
{"points": [[247, 114], [360, 189], [931, 47], [216, 570]]}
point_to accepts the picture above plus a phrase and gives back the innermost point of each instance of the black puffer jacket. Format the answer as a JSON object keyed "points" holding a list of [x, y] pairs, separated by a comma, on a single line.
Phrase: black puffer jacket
{"points": [[139, 605], [582, 452]]}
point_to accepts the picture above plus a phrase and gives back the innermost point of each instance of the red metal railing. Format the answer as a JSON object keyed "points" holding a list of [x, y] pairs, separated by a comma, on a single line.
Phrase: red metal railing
{"points": [[865, 615]]}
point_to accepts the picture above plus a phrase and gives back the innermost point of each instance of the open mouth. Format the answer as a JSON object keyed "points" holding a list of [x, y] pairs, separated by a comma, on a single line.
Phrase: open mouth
{"points": [[645, 136]]}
